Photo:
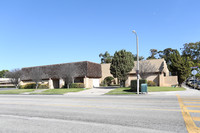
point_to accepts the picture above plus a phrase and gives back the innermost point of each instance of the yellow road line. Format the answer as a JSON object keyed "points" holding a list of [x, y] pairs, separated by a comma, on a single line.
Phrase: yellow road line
{"points": [[190, 100], [194, 111], [194, 106], [196, 118], [190, 125], [193, 102]]}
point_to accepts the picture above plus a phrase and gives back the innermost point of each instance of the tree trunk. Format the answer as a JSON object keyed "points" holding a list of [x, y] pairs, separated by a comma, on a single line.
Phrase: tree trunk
{"points": [[36, 86], [68, 86]]}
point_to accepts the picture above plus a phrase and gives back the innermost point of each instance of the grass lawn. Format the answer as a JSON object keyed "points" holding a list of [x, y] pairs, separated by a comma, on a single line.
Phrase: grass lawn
{"points": [[120, 91], [126, 91], [16, 91], [154, 89], [59, 91]]}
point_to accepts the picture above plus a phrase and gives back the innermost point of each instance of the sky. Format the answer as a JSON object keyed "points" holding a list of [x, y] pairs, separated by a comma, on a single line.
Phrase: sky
{"points": [[43, 32]]}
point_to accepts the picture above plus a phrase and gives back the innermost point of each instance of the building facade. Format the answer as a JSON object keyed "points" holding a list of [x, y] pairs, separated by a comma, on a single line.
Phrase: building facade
{"points": [[152, 70], [84, 72], [92, 74]]}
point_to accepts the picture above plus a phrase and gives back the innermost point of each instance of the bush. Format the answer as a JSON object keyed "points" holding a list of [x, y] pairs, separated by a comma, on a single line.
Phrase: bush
{"points": [[7, 86], [134, 84], [108, 80], [28, 86], [77, 85], [33, 85], [151, 83], [43, 86], [103, 84]]}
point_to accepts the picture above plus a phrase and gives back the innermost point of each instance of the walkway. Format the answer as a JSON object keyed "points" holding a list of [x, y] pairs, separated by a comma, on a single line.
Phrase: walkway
{"points": [[94, 91], [188, 91]]}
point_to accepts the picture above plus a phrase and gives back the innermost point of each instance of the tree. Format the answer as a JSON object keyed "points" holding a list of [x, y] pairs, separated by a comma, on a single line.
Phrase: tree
{"points": [[68, 74], [166, 55], [192, 50], [3, 73], [122, 64], [108, 80], [180, 65], [105, 58], [36, 75], [140, 57], [154, 52], [14, 76], [145, 68]]}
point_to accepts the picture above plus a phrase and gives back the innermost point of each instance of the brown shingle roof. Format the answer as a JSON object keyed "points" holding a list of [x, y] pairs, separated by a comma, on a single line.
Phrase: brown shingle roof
{"points": [[158, 65], [84, 68]]}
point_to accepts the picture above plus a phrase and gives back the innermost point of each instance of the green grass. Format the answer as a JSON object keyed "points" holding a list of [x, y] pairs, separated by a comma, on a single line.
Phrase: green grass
{"points": [[126, 91], [59, 91], [120, 91], [157, 89], [16, 91]]}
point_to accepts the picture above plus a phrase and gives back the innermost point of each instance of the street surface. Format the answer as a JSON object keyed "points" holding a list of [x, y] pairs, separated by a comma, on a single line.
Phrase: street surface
{"points": [[152, 113]]}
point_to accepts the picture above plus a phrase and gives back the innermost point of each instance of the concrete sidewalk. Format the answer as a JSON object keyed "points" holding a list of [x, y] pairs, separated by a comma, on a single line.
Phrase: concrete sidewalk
{"points": [[35, 91], [91, 92], [188, 91]]}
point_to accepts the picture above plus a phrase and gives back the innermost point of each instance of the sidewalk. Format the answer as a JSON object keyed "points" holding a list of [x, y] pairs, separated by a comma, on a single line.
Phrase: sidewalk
{"points": [[188, 91], [92, 92], [36, 91]]}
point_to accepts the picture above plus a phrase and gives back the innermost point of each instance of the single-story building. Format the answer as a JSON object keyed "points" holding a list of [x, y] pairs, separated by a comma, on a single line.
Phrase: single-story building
{"points": [[85, 72], [152, 70], [6, 82], [92, 74]]}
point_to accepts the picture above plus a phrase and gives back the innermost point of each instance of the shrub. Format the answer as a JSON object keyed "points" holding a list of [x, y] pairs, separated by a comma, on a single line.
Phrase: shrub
{"points": [[7, 86], [77, 85], [108, 80], [43, 86], [134, 84], [103, 84], [28, 86], [151, 83], [33, 85]]}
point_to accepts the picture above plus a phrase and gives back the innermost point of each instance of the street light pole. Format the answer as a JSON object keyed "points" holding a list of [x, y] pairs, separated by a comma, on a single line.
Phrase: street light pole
{"points": [[137, 71]]}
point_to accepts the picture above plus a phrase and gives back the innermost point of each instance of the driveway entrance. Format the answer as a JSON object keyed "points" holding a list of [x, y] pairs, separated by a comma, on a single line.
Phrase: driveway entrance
{"points": [[94, 91]]}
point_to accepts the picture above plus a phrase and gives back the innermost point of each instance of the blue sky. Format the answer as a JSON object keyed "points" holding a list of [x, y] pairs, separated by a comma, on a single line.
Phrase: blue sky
{"points": [[42, 32]]}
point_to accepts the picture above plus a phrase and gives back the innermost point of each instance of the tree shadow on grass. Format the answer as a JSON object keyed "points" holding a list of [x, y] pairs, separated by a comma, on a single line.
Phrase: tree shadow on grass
{"points": [[128, 90]]}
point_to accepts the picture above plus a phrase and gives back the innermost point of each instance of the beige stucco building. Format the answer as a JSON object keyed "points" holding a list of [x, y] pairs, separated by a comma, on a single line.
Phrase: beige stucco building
{"points": [[92, 74], [152, 70], [85, 72]]}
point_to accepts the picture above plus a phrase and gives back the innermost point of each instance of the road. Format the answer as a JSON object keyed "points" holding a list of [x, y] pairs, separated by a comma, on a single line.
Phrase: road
{"points": [[152, 113]]}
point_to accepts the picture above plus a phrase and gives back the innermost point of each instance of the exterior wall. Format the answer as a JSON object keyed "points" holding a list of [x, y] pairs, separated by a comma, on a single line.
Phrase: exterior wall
{"points": [[61, 83], [167, 80], [170, 80], [5, 82], [105, 68], [161, 80], [128, 81], [50, 84], [152, 77], [88, 82]]}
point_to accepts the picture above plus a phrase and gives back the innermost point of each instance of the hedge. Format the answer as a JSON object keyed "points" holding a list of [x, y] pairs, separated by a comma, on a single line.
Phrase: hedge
{"points": [[33, 85], [77, 85], [151, 83], [134, 84]]}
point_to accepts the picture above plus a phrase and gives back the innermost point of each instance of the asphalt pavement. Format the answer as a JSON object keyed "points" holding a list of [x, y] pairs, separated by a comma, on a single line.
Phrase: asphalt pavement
{"points": [[100, 114], [159, 112]]}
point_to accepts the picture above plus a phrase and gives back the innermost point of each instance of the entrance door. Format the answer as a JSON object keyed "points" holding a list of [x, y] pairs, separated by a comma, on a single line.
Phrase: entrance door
{"points": [[56, 83]]}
